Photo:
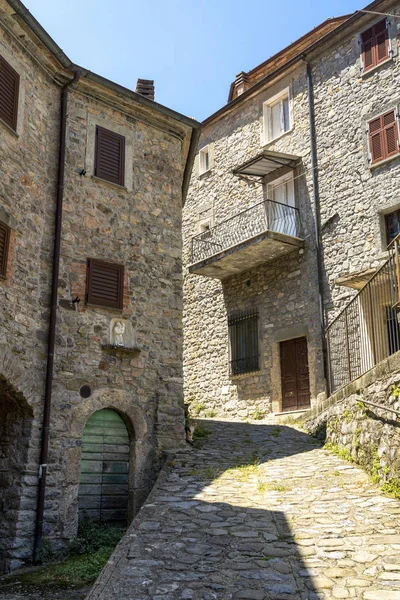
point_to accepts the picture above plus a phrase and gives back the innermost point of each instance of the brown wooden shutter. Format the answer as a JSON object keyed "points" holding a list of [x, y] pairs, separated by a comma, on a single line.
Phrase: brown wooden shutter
{"points": [[375, 45], [390, 134], [381, 41], [4, 245], [367, 48], [383, 137], [9, 88], [110, 156], [105, 283]]}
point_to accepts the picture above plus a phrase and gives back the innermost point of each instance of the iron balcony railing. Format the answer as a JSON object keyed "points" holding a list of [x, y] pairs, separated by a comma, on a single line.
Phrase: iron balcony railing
{"points": [[367, 330], [267, 215]]}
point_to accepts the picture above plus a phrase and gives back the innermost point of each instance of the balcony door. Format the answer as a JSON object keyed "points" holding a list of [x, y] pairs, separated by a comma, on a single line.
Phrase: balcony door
{"points": [[295, 375], [281, 216]]}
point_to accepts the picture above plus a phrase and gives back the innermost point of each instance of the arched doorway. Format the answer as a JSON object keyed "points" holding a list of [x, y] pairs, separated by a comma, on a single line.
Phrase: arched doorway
{"points": [[15, 433], [104, 480]]}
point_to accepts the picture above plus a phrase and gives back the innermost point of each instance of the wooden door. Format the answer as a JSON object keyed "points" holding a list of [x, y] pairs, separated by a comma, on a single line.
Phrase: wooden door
{"points": [[294, 373], [103, 486]]}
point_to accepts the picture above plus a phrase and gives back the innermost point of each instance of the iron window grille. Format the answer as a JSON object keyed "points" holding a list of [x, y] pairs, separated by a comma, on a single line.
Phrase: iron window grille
{"points": [[243, 335]]}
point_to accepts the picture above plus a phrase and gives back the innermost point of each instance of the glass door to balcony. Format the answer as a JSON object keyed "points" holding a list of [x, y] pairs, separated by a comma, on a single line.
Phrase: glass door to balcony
{"points": [[281, 216]]}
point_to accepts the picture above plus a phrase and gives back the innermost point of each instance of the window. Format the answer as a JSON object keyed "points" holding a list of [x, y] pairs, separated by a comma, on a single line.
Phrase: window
{"points": [[375, 45], [282, 213], [9, 89], [392, 223], [109, 156], [4, 245], [277, 119], [204, 160], [105, 283], [383, 136], [243, 335]]}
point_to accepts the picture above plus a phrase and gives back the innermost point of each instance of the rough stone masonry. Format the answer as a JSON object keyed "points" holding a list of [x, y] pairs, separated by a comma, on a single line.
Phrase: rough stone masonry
{"points": [[137, 226]]}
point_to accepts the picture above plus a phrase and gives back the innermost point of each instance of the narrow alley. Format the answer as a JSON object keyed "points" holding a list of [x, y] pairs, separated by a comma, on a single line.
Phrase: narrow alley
{"points": [[259, 512]]}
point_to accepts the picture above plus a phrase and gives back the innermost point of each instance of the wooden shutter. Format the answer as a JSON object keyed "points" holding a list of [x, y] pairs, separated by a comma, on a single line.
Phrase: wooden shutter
{"points": [[9, 88], [105, 283], [367, 49], [4, 244], [375, 45], [390, 133], [381, 41], [110, 156], [383, 137]]}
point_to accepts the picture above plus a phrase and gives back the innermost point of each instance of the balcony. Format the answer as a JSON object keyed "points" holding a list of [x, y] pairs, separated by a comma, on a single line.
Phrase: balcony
{"points": [[253, 237]]}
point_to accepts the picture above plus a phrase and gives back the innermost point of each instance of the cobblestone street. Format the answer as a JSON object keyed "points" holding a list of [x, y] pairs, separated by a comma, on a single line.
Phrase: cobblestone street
{"points": [[259, 512]]}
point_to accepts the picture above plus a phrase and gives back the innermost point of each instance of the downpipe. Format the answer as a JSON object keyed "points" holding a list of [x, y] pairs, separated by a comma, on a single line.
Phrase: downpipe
{"points": [[316, 202], [44, 451]]}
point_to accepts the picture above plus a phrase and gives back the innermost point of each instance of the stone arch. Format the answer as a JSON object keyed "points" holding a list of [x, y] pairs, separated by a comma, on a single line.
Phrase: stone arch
{"points": [[142, 449], [16, 418]]}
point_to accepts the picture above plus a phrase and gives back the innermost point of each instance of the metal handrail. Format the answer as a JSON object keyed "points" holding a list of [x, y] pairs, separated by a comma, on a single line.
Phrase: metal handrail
{"points": [[249, 223], [367, 330], [237, 215], [396, 412]]}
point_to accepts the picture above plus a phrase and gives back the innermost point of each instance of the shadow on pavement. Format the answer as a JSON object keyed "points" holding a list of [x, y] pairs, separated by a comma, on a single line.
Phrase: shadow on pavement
{"points": [[203, 533]]}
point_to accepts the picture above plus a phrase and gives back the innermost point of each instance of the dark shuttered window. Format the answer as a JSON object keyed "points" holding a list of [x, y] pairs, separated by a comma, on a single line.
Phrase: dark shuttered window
{"points": [[243, 335], [9, 88], [4, 244], [375, 45], [110, 156], [392, 222], [383, 137], [105, 283]]}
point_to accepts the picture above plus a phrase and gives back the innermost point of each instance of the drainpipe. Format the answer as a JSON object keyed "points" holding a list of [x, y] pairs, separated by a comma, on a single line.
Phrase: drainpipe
{"points": [[52, 324], [318, 245]]}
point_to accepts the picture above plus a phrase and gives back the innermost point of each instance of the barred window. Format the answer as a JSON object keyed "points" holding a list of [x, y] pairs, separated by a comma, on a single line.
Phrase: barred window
{"points": [[243, 335]]}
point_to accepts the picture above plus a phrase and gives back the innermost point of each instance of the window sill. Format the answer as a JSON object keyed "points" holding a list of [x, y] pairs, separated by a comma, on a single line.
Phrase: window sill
{"points": [[267, 142], [244, 375], [10, 129], [204, 174], [113, 308], [365, 74], [110, 183], [384, 161]]}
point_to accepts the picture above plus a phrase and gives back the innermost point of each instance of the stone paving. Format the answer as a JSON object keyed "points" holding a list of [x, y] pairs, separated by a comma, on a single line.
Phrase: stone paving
{"points": [[259, 512]]}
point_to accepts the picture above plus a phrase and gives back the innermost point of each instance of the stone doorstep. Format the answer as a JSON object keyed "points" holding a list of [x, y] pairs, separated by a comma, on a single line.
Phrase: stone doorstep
{"points": [[291, 412]]}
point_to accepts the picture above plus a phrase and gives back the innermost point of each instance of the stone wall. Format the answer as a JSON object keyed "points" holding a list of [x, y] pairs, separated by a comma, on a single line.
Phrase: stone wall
{"points": [[365, 434], [353, 200], [27, 201], [137, 225], [354, 196], [284, 291]]}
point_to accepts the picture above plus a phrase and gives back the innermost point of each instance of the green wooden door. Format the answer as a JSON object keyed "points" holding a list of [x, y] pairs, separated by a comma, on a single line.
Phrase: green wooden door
{"points": [[103, 486]]}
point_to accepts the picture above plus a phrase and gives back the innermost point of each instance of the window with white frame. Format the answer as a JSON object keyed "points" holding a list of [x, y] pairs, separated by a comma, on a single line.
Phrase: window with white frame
{"points": [[282, 190], [204, 160], [281, 212], [277, 117]]}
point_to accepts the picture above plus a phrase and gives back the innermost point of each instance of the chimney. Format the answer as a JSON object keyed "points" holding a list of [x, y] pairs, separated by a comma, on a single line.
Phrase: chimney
{"points": [[241, 83], [145, 87]]}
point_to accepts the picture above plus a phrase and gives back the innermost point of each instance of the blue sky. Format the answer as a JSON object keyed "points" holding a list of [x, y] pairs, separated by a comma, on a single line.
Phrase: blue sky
{"points": [[191, 48]]}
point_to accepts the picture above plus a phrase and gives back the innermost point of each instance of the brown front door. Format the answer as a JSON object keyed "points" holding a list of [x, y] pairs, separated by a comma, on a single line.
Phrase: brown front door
{"points": [[294, 372]]}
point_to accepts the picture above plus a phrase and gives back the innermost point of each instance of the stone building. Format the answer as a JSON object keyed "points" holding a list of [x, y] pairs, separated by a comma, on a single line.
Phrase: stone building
{"points": [[92, 180], [292, 203]]}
